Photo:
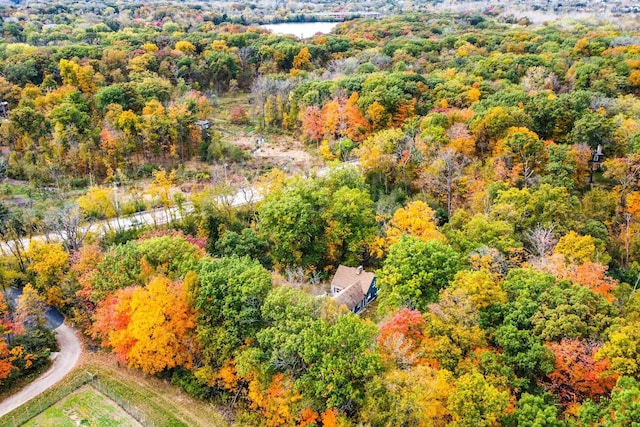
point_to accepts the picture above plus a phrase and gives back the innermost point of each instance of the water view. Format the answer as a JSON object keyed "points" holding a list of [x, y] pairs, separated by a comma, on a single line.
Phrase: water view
{"points": [[301, 29]]}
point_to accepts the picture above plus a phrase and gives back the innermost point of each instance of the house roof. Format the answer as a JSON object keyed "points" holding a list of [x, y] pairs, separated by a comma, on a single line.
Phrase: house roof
{"points": [[355, 284], [350, 296]]}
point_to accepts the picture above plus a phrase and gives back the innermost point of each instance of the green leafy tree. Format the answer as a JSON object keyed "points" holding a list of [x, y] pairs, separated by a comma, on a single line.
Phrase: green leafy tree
{"points": [[594, 129], [414, 272], [476, 403], [526, 150], [546, 206], [340, 361], [174, 254], [560, 169], [287, 313], [246, 243], [535, 411], [621, 410], [351, 223], [229, 300], [292, 222], [468, 234]]}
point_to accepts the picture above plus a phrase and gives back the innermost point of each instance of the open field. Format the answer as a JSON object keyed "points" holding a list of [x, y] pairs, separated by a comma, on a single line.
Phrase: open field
{"points": [[162, 403], [85, 406]]}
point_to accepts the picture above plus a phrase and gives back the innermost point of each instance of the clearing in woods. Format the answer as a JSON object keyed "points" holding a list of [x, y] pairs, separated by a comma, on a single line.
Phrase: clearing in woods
{"points": [[85, 406]]}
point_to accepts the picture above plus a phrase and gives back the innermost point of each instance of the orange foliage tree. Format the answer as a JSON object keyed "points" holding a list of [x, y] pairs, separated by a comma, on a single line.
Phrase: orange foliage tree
{"points": [[312, 123], [149, 328], [342, 118], [6, 355], [589, 274], [577, 375], [275, 402]]}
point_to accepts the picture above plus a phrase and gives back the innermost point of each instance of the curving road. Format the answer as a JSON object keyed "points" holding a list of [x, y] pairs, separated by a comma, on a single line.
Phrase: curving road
{"points": [[65, 361], [70, 347]]}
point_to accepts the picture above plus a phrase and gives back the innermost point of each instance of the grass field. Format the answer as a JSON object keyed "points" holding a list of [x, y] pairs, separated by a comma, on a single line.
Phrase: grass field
{"points": [[153, 400], [85, 407]]}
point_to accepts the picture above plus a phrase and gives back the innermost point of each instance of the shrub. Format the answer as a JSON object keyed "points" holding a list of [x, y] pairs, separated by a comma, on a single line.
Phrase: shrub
{"points": [[239, 116]]}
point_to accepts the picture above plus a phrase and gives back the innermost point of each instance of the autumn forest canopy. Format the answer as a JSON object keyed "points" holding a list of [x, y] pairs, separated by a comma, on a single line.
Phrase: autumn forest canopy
{"points": [[487, 172]]}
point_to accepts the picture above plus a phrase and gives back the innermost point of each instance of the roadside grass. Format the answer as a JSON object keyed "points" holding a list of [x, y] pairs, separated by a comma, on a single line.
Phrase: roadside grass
{"points": [[159, 396], [156, 401], [22, 382], [162, 403], [51, 396], [85, 406]]}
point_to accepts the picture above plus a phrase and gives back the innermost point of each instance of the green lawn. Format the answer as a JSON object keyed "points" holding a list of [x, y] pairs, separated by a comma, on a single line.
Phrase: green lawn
{"points": [[84, 407]]}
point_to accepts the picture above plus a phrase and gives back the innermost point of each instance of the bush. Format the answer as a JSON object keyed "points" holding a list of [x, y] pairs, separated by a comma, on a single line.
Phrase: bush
{"points": [[132, 206], [77, 183], [239, 116], [122, 236], [39, 342], [221, 150], [146, 170], [185, 379]]}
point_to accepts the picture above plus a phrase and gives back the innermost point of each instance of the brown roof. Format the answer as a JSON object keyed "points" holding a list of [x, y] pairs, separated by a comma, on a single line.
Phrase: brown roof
{"points": [[347, 276], [351, 296], [354, 282]]}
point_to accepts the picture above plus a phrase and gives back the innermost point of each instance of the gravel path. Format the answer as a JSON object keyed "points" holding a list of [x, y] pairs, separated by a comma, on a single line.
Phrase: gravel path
{"points": [[64, 362]]}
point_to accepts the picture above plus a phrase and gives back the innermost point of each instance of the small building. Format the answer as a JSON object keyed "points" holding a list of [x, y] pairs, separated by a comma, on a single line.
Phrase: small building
{"points": [[353, 287], [204, 124]]}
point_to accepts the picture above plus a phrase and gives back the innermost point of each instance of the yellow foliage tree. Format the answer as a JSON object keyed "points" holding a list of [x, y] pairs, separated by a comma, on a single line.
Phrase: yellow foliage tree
{"points": [[302, 60], [325, 151], [220, 46], [157, 336], [161, 186], [416, 219], [377, 116], [185, 47], [274, 403], [274, 180], [88, 80], [418, 396], [50, 263], [481, 286], [98, 202], [150, 47], [577, 249], [69, 72]]}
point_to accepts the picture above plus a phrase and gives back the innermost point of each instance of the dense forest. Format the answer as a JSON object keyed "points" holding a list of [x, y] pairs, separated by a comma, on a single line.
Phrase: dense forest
{"points": [[487, 172]]}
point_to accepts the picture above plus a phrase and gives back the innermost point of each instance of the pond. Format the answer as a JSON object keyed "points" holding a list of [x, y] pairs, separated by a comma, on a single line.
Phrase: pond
{"points": [[301, 29]]}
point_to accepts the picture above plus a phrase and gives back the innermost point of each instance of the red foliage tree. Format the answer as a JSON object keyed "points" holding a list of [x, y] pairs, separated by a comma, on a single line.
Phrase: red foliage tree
{"points": [[401, 337], [6, 327], [577, 375]]}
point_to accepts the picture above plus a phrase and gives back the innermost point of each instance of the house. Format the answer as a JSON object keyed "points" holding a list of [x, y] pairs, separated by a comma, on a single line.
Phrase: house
{"points": [[353, 287]]}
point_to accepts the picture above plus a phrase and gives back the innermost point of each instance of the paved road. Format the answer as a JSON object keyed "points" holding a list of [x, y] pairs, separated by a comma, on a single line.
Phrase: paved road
{"points": [[161, 216], [53, 316], [70, 347], [151, 217], [64, 363]]}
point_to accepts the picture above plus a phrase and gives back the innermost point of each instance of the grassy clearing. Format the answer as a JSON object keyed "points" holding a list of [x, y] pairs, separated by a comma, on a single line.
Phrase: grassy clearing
{"points": [[85, 406], [160, 402], [52, 395], [155, 400]]}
